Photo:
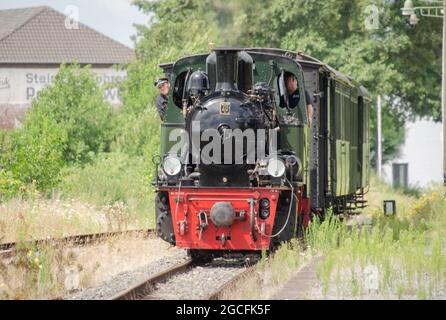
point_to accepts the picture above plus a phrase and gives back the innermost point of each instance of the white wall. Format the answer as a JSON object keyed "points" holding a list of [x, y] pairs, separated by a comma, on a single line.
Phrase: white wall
{"points": [[19, 86], [423, 150]]}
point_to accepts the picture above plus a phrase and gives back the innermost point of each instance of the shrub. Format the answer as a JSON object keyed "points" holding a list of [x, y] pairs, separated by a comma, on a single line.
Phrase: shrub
{"points": [[137, 133], [68, 124], [9, 186], [76, 103], [35, 156]]}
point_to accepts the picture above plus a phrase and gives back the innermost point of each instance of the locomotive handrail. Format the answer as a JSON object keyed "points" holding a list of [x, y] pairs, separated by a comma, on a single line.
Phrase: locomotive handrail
{"points": [[252, 219]]}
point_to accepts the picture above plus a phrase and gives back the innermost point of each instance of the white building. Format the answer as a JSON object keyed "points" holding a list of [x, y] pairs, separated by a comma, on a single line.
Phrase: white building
{"points": [[34, 42], [423, 152]]}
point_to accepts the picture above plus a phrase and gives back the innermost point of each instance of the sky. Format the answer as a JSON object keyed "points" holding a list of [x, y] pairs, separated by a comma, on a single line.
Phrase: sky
{"points": [[114, 18]]}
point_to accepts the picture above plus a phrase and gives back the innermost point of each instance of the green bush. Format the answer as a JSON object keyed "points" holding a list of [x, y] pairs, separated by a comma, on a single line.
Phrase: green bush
{"points": [[35, 156], [68, 124], [9, 186], [76, 103]]}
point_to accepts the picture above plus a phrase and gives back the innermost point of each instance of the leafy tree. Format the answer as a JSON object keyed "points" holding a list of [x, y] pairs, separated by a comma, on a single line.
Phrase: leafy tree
{"points": [[395, 61], [176, 28], [400, 63]]}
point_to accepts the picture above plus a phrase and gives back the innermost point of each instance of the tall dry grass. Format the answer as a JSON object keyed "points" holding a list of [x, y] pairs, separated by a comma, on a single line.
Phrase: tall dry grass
{"points": [[22, 220], [53, 271]]}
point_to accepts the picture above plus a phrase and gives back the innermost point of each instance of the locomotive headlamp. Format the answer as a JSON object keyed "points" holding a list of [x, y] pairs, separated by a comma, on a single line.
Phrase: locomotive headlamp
{"points": [[276, 168], [171, 165]]}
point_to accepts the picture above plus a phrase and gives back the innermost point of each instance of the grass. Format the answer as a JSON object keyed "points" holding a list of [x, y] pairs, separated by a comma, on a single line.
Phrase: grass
{"points": [[42, 218], [380, 191], [111, 194], [55, 218], [115, 180], [271, 273], [402, 257]]}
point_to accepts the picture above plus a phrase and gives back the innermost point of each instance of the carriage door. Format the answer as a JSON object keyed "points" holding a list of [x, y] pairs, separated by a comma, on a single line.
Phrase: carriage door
{"points": [[311, 77]]}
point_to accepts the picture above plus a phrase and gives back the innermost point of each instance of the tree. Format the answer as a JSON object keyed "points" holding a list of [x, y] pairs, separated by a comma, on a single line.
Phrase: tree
{"points": [[395, 61], [176, 28]]}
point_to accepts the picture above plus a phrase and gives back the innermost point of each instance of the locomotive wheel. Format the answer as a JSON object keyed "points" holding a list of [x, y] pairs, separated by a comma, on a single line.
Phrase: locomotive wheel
{"points": [[164, 225]]}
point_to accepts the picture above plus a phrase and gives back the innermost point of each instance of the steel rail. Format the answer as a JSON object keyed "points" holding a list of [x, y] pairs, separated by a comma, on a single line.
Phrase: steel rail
{"points": [[217, 294], [145, 287], [7, 249]]}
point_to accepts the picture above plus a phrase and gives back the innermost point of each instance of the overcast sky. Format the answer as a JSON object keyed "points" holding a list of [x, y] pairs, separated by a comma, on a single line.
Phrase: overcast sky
{"points": [[114, 18]]}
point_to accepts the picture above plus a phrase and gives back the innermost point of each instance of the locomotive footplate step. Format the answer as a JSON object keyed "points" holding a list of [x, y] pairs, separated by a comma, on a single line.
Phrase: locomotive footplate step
{"points": [[299, 285]]}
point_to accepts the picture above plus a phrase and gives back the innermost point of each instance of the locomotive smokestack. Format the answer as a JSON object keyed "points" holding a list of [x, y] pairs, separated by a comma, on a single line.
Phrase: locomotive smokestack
{"points": [[227, 69]]}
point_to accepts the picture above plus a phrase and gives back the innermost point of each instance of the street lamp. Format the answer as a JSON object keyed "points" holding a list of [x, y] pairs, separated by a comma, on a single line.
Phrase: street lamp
{"points": [[408, 8], [413, 20], [427, 11], [433, 12]]}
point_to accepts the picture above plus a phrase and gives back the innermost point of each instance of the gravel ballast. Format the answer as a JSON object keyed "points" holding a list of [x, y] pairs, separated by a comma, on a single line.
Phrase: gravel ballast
{"points": [[123, 281], [198, 283]]}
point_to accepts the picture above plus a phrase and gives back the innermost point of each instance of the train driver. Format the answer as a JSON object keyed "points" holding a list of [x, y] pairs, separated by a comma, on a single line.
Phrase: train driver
{"points": [[163, 86], [292, 86]]}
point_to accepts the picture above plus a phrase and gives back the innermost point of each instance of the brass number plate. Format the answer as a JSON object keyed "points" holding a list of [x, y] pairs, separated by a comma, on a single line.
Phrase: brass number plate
{"points": [[225, 108]]}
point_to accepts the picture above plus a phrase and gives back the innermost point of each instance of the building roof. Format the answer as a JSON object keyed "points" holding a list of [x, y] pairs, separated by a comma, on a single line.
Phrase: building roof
{"points": [[39, 35]]}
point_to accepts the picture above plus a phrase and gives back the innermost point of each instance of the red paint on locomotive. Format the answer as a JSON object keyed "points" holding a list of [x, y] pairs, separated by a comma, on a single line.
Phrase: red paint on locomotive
{"points": [[190, 208]]}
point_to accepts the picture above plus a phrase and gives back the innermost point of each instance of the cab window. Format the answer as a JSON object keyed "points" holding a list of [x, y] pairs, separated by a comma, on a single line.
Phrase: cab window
{"points": [[180, 83], [287, 81]]}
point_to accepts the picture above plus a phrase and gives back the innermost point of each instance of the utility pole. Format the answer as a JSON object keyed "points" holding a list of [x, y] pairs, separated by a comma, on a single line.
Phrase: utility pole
{"points": [[379, 138], [443, 94]]}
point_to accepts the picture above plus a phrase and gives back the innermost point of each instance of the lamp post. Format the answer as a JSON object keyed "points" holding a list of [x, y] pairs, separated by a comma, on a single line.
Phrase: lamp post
{"points": [[433, 12]]}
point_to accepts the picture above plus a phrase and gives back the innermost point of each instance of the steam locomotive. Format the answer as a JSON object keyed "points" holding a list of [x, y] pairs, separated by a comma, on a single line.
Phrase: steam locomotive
{"points": [[241, 170]]}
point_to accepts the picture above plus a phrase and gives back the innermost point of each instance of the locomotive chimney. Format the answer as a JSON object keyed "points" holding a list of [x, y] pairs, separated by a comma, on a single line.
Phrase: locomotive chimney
{"points": [[227, 69]]}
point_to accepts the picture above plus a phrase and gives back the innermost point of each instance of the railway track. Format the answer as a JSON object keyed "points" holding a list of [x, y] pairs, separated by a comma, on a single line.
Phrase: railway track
{"points": [[189, 280], [8, 249], [218, 293]]}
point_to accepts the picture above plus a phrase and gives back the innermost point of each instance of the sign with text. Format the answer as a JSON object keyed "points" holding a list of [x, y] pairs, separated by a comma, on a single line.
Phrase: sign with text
{"points": [[19, 86]]}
